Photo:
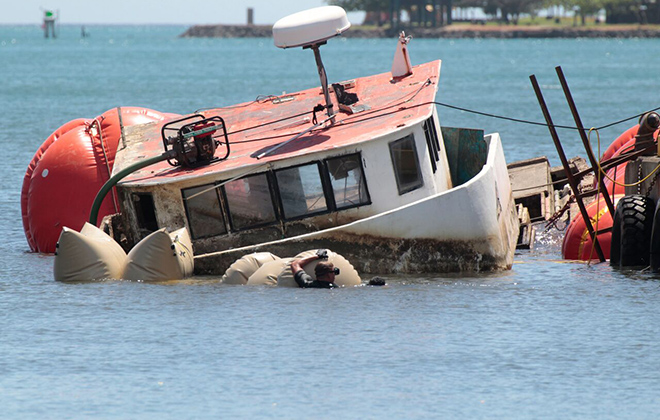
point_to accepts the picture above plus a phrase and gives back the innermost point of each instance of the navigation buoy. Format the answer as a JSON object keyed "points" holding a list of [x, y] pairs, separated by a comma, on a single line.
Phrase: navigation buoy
{"points": [[67, 171]]}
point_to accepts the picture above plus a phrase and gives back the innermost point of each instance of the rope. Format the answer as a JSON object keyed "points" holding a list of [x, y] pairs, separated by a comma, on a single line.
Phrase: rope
{"points": [[99, 130]]}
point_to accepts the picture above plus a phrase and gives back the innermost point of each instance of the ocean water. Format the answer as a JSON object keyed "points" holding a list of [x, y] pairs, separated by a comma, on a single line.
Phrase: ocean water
{"points": [[548, 339]]}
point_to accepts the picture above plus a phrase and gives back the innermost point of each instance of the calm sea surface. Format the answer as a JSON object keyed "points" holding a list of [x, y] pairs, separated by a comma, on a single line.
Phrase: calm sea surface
{"points": [[546, 340]]}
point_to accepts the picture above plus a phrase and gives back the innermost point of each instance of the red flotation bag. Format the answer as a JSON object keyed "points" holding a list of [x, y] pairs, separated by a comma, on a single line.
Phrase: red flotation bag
{"points": [[67, 171], [577, 241]]}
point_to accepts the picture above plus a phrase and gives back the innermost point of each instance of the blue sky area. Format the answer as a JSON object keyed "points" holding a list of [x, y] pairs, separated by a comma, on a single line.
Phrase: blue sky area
{"points": [[155, 11]]}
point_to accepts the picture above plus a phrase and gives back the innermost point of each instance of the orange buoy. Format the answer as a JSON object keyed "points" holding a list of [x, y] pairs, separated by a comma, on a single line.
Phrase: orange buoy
{"points": [[30, 171], [577, 243], [68, 170]]}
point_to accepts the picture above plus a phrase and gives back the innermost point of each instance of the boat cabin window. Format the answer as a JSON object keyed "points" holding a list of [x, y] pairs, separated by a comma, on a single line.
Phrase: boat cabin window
{"points": [[145, 212], [432, 142], [204, 211], [406, 165], [293, 193], [301, 191], [347, 179], [249, 202]]}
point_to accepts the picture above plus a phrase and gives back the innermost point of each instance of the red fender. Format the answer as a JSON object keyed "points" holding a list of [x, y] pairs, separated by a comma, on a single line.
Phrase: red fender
{"points": [[66, 173], [577, 243]]}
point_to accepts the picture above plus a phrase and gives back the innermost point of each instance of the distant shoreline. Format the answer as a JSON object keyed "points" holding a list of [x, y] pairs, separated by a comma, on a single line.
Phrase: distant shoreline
{"points": [[452, 31]]}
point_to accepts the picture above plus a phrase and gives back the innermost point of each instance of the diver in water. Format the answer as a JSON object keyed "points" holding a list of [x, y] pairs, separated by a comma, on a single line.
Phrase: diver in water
{"points": [[325, 273]]}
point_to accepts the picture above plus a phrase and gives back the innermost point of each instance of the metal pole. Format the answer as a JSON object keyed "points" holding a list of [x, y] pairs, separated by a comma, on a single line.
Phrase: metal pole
{"points": [[324, 79], [585, 140], [569, 175]]}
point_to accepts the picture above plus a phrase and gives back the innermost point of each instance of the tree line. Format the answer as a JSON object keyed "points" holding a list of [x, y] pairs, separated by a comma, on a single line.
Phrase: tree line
{"points": [[438, 12]]}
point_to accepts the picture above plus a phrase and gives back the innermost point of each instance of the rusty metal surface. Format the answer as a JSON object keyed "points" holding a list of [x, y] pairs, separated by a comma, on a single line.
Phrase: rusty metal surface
{"points": [[375, 255]]}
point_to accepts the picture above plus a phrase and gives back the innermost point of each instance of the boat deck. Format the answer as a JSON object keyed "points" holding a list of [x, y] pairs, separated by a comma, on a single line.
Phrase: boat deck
{"points": [[257, 126]]}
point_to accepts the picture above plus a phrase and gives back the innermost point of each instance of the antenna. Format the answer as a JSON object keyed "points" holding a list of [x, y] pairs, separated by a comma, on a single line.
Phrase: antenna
{"points": [[311, 29]]}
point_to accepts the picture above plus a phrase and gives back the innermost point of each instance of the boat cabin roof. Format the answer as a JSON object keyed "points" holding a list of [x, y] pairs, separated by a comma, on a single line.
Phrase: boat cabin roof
{"points": [[254, 127]]}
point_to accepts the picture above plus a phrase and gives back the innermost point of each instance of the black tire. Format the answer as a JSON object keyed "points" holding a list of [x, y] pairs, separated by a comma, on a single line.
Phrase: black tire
{"points": [[655, 240], [615, 242], [631, 232]]}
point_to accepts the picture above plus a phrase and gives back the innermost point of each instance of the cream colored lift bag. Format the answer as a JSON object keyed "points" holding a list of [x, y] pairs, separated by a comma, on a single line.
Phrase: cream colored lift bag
{"points": [[88, 255], [241, 270], [161, 256]]}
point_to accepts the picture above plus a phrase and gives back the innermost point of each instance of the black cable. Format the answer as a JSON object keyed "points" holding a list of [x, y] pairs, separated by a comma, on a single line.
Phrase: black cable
{"points": [[539, 123], [359, 118], [485, 114], [627, 119]]}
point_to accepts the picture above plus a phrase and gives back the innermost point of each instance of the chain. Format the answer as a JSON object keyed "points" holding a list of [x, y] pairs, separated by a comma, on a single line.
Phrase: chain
{"points": [[655, 178], [552, 221]]}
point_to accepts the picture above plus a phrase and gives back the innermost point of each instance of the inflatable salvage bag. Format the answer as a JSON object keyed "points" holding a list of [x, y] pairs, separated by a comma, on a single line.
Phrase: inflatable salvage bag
{"points": [[88, 255], [161, 256], [267, 273], [241, 270], [66, 172], [93, 255], [347, 276]]}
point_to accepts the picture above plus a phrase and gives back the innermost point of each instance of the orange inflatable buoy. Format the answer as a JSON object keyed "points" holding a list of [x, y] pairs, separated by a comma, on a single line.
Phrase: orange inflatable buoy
{"points": [[30, 170], [67, 171], [577, 243]]}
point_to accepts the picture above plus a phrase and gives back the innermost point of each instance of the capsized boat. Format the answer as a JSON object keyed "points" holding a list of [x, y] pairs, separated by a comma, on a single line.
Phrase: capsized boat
{"points": [[362, 167]]}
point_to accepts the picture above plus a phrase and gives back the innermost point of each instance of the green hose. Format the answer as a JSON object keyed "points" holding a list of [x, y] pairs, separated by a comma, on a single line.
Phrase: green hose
{"points": [[94, 213]]}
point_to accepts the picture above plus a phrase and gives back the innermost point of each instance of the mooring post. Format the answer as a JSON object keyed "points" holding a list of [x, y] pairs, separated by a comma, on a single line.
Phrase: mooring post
{"points": [[569, 175], [585, 140]]}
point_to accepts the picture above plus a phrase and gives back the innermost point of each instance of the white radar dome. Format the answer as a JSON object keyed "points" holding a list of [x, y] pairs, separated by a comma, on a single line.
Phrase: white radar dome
{"points": [[310, 27]]}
